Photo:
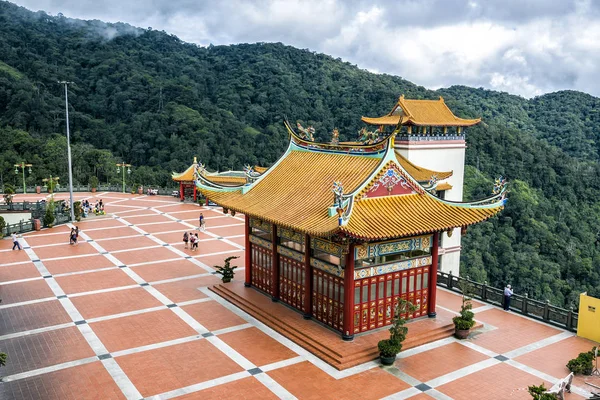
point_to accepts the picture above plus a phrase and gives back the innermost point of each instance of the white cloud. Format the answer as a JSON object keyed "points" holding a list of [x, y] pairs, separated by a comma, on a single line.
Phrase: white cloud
{"points": [[526, 48]]}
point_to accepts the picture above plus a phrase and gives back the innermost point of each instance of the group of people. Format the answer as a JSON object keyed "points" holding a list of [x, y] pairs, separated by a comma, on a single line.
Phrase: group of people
{"points": [[192, 237], [74, 235], [193, 240]]}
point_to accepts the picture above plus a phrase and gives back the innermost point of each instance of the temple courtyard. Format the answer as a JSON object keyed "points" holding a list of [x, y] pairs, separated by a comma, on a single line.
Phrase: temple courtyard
{"points": [[127, 313]]}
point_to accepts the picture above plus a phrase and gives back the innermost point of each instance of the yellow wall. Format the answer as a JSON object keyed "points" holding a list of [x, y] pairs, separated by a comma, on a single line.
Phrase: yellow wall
{"points": [[588, 325]]}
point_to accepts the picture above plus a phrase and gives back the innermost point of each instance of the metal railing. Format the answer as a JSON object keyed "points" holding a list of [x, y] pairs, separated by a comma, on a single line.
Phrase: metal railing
{"points": [[539, 310], [100, 188]]}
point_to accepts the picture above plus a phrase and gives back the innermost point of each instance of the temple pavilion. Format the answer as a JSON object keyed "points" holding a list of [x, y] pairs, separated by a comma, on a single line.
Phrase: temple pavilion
{"points": [[340, 231]]}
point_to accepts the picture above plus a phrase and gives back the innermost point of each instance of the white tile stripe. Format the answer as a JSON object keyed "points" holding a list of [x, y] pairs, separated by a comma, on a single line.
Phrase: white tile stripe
{"points": [[45, 370]]}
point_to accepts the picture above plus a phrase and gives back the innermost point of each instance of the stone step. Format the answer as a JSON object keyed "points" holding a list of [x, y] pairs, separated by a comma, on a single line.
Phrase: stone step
{"points": [[323, 352]]}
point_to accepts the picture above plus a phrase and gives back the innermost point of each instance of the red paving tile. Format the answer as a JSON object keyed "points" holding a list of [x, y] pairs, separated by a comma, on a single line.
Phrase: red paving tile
{"points": [[228, 230], [112, 233], [138, 220], [26, 353], [186, 290], [77, 264], [256, 346], [146, 255], [455, 356], [18, 271], [247, 388], [126, 243], [177, 237], [98, 222], [208, 247], [83, 382], [8, 257], [116, 302], [162, 370], [24, 291], [500, 381], [42, 240], [453, 301], [305, 381], [65, 250], [94, 281], [141, 330], [513, 331], [213, 316], [168, 270], [167, 226], [32, 316]]}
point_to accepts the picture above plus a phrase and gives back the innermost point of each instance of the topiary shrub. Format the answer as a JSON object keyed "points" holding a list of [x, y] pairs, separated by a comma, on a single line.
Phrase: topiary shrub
{"points": [[583, 364], [2, 227], [77, 211], [226, 270], [9, 193], [49, 215], [93, 181]]}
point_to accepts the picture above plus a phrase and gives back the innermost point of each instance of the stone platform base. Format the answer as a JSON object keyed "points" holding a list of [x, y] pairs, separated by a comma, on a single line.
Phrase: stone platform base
{"points": [[325, 343]]}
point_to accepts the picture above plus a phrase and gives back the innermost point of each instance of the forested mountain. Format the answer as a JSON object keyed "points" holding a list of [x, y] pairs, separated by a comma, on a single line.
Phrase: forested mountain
{"points": [[147, 98]]}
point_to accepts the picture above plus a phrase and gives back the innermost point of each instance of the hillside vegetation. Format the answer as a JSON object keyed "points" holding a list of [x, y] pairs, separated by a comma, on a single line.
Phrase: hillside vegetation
{"points": [[149, 99]]}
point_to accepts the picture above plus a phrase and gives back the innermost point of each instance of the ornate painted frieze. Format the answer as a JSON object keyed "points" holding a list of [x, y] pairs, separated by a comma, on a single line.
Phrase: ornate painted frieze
{"points": [[388, 268], [290, 235], [328, 247], [294, 255], [329, 268], [390, 182], [397, 246], [261, 242], [262, 225]]}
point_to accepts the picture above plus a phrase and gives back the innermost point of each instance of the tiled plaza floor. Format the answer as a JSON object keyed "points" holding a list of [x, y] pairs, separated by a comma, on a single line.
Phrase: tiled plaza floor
{"points": [[125, 314]]}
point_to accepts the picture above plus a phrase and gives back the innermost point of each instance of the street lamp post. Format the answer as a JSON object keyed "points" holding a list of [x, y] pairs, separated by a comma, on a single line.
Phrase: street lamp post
{"points": [[66, 83], [52, 181], [123, 166], [22, 165]]}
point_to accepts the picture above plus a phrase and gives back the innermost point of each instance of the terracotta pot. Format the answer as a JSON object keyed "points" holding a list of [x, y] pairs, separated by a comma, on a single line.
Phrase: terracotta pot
{"points": [[387, 360], [93, 190], [461, 333]]}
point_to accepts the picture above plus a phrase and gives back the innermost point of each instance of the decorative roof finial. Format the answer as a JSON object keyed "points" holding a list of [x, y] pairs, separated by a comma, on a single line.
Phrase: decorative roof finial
{"points": [[195, 161], [306, 133], [335, 136]]}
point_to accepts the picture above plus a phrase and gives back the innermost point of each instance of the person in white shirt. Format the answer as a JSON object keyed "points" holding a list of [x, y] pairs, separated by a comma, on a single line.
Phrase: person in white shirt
{"points": [[507, 295], [15, 241]]}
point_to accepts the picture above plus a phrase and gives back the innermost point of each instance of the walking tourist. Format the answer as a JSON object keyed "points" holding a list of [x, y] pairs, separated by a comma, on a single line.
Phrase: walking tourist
{"points": [[192, 241], [201, 222], [196, 241], [507, 295], [72, 236], [15, 240], [185, 239]]}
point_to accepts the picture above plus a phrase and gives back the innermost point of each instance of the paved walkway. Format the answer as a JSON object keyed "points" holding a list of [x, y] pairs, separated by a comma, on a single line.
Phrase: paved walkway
{"points": [[126, 314]]}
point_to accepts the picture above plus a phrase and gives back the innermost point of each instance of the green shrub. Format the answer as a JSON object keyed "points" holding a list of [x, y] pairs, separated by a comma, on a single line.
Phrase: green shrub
{"points": [[77, 210], [93, 181], [465, 320], [9, 193], [3, 358], [2, 227], [389, 348], [392, 346], [226, 270], [583, 364], [49, 215], [537, 393]]}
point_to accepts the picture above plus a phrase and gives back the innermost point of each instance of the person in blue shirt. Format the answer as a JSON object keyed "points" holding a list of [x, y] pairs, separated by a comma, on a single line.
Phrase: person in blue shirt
{"points": [[201, 222], [507, 295]]}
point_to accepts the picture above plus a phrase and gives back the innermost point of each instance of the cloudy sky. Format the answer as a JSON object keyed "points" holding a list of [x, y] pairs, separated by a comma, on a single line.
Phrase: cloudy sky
{"points": [[525, 47]]}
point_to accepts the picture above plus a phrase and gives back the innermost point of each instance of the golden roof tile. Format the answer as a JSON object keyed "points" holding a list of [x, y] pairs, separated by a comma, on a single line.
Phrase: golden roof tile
{"points": [[421, 113], [407, 215], [420, 174], [185, 176], [443, 186]]}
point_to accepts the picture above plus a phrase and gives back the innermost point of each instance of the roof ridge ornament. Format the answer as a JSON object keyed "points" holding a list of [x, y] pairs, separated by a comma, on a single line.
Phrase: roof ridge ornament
{"points": [[368, 137], [306, 133], [335, 136], [338, 201]]}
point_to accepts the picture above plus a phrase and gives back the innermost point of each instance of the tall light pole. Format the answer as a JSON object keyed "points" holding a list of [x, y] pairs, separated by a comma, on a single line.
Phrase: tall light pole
{"points": [[66, 83], [123, 165], [22, 165]]}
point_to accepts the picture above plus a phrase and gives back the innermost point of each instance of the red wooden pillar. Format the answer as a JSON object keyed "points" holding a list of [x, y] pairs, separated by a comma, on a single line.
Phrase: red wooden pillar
{"points": [[274, 267], [248, 253], [194, 192], [348, 331], [308, 278], [181, 190], [206, 203], [433, 276]]}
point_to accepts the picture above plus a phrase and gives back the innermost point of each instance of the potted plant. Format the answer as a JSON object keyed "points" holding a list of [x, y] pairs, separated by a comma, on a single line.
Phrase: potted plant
{"points": [[77, 210], [389, 348], [464, 321], [94, 183], [9, 193], [226, 270], [2, 227]]}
